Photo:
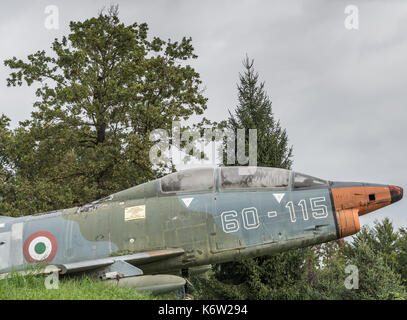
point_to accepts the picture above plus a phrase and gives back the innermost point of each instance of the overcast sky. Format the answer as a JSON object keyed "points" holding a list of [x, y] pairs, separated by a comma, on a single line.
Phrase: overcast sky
{"points": [[341, 94]]}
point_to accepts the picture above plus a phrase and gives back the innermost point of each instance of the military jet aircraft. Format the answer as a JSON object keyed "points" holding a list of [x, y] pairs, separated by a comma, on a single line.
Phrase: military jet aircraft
{"points": [[143, 236]]}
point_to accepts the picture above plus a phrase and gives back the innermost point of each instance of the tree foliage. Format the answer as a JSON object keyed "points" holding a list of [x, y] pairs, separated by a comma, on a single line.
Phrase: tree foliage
{"points": [[401, 255], [382, 239], [369, 252], [100, 93]]}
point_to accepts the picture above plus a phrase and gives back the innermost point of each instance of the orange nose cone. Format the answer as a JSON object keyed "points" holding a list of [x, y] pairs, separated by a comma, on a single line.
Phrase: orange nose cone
{"points": [[396, 193]]}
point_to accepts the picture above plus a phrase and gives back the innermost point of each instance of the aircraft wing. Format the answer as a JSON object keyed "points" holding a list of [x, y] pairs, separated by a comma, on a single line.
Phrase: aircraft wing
{"points": [[125, 268], [6, 219], [132, 260]]}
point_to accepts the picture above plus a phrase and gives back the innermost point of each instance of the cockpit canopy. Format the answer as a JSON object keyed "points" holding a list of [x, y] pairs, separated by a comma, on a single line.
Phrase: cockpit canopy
{"points": [[253, 177], [231, 178]]}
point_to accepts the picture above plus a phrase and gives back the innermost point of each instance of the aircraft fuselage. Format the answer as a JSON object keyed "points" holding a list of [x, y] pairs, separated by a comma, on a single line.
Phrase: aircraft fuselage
{"points": [[248, 214]]}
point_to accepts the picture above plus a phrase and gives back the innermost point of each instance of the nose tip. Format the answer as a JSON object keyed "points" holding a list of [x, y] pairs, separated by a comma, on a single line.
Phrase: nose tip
{"points": [[396, 193]]}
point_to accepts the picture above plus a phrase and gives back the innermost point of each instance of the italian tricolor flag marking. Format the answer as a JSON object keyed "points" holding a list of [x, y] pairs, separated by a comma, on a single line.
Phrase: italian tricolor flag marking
{"points": [[40, 246]]}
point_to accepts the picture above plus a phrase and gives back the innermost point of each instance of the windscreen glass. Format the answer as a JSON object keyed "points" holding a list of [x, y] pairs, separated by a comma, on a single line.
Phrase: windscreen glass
{"points": [[305, 181], [254, 177]]}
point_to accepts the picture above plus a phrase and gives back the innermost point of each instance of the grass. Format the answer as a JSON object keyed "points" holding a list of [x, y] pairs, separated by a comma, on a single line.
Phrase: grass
{"points": [[32, 287]]}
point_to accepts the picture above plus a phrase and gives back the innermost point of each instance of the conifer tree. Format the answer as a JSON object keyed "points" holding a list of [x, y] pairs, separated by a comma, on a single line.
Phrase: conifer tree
{"points": [[254, 111], [281, 276]]}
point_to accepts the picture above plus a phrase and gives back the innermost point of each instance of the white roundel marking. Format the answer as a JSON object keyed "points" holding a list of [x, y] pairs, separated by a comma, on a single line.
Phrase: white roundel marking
{"points": [[40, 256]]}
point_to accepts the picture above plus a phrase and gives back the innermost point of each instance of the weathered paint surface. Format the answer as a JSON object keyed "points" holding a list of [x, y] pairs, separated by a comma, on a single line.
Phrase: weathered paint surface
{"points": [[208, 226]]}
